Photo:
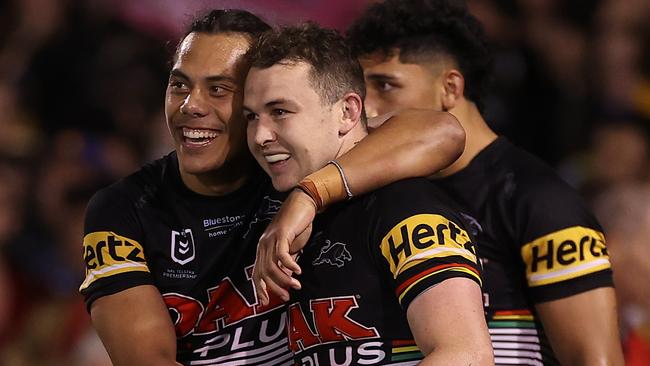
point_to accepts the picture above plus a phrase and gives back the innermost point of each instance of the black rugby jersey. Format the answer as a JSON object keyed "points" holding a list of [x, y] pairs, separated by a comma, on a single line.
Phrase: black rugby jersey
{"points": [[198, 251], [536, 240], [363, 265]]}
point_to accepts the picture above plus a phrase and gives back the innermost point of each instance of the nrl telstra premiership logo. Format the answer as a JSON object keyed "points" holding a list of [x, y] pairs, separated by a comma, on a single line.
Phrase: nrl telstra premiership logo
{"points": [[182, 246]]}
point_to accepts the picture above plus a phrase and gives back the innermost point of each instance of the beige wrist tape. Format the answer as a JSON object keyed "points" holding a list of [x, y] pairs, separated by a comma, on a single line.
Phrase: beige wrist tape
{"points": [[324, 186]]}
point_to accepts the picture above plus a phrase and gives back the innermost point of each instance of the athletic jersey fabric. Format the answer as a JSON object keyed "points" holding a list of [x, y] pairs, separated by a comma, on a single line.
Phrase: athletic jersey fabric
{"points": [[198, 251], [363, 265], [536, 240]]}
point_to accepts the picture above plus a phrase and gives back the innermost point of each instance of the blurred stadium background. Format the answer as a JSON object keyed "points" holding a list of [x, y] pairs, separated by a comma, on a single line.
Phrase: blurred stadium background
{"points": [[81, 105]]}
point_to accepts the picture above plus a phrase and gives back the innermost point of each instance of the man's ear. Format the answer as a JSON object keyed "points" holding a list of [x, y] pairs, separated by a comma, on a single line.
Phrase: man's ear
{"points": [[351, 108], [453, 83]]}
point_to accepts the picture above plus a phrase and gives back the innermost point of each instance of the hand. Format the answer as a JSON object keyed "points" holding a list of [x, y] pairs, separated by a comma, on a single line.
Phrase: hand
{"points": [[277, 249]]}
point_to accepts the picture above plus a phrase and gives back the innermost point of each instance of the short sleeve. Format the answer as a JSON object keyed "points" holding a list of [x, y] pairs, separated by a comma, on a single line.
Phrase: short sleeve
{"points": [[113, 253], [561, 244], [421, 239]]}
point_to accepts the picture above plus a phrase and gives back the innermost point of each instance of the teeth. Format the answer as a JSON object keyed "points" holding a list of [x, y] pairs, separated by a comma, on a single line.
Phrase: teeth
{"points": [[199, 134], [276, 157]]}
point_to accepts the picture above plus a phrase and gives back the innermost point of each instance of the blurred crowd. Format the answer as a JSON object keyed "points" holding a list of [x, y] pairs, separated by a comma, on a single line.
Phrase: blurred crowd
{"points": [[81, 105]]}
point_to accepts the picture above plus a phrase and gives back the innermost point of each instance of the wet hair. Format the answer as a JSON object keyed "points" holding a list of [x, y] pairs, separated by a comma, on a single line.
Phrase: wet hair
{"points": [[422, 31], [334, 72], [219, 21]]}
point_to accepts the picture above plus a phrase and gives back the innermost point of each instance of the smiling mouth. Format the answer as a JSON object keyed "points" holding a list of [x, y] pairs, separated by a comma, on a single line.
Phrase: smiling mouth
{"points": [[198, 137], [276, 158]]}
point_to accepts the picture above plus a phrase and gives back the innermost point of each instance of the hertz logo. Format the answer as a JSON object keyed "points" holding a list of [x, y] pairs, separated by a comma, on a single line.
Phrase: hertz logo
{"points": [[565, 254], [422, 237], [107, 254]]}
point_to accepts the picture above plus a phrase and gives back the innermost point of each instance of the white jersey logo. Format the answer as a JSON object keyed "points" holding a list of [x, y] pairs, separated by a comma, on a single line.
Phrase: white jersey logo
{"points": [[182, 246]]}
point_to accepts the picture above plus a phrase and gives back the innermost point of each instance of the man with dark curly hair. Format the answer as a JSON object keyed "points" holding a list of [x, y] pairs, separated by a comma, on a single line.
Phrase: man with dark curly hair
{"points": [[548, 290]]}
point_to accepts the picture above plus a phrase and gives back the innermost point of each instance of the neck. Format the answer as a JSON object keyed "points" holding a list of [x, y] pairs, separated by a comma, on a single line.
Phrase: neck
{"points": [[478, 136], [231, 176], [351, 139]]}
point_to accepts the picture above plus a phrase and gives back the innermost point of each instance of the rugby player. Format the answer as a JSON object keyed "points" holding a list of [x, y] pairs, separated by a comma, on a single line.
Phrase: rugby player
{"points": [[178, 237], [548, 290], [389, 277], [547, 276]]}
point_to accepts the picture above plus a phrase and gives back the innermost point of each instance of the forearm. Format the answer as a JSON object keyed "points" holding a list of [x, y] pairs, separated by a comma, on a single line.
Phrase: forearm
{"points": [[412, 143]]}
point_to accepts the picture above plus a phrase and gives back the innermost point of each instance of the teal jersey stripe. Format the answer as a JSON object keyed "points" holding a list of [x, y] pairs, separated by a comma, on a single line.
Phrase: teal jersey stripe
{"points": [[405, 356], [511, 324]]}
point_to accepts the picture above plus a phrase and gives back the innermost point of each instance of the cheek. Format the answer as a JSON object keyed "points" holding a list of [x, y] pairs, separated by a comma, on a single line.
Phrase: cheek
{"points": [[390, 104], [250, 138], [225, 108], [300, 143], [172, 104], [323, 145], [408, 98], [386, 102]]}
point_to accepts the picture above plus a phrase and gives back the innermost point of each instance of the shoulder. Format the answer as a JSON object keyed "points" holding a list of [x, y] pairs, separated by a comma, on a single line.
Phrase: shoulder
{"points": [[418, 232], [122, 198], [415, 207], [537, 193], [412, 196], [149, 177], [412, 188], [531, 174]]}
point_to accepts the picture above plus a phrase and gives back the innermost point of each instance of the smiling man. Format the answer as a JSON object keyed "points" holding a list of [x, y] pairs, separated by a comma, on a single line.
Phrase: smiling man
{"points": [[388, 276], [208, 68], [169, 250]]}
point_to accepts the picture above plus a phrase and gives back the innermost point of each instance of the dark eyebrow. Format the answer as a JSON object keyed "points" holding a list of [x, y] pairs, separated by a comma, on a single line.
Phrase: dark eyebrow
{"points": [[178, 73], [221, 78], [271, 104], [278, 101], [380, 77], [213, 78]]}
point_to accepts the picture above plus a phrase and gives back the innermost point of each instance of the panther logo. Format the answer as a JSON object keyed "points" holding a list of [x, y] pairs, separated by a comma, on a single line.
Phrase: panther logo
{"points": [[335, 254]]}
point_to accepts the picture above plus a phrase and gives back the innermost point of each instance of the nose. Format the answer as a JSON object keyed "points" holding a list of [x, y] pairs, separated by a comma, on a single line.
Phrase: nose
{"points": [[370, 105], [261, 132], [194, 104]]}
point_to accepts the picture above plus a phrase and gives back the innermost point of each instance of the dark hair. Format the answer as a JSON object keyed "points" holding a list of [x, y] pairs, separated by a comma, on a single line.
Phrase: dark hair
{"points": [[229, 20], [423, 29], [334, 69], [218, 21]]}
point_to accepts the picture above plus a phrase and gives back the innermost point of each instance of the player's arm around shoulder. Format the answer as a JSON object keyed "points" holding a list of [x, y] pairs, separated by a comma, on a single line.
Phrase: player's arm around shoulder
{"points": [[409, 143], [127, 311], [135, 327], [433, 260]]}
